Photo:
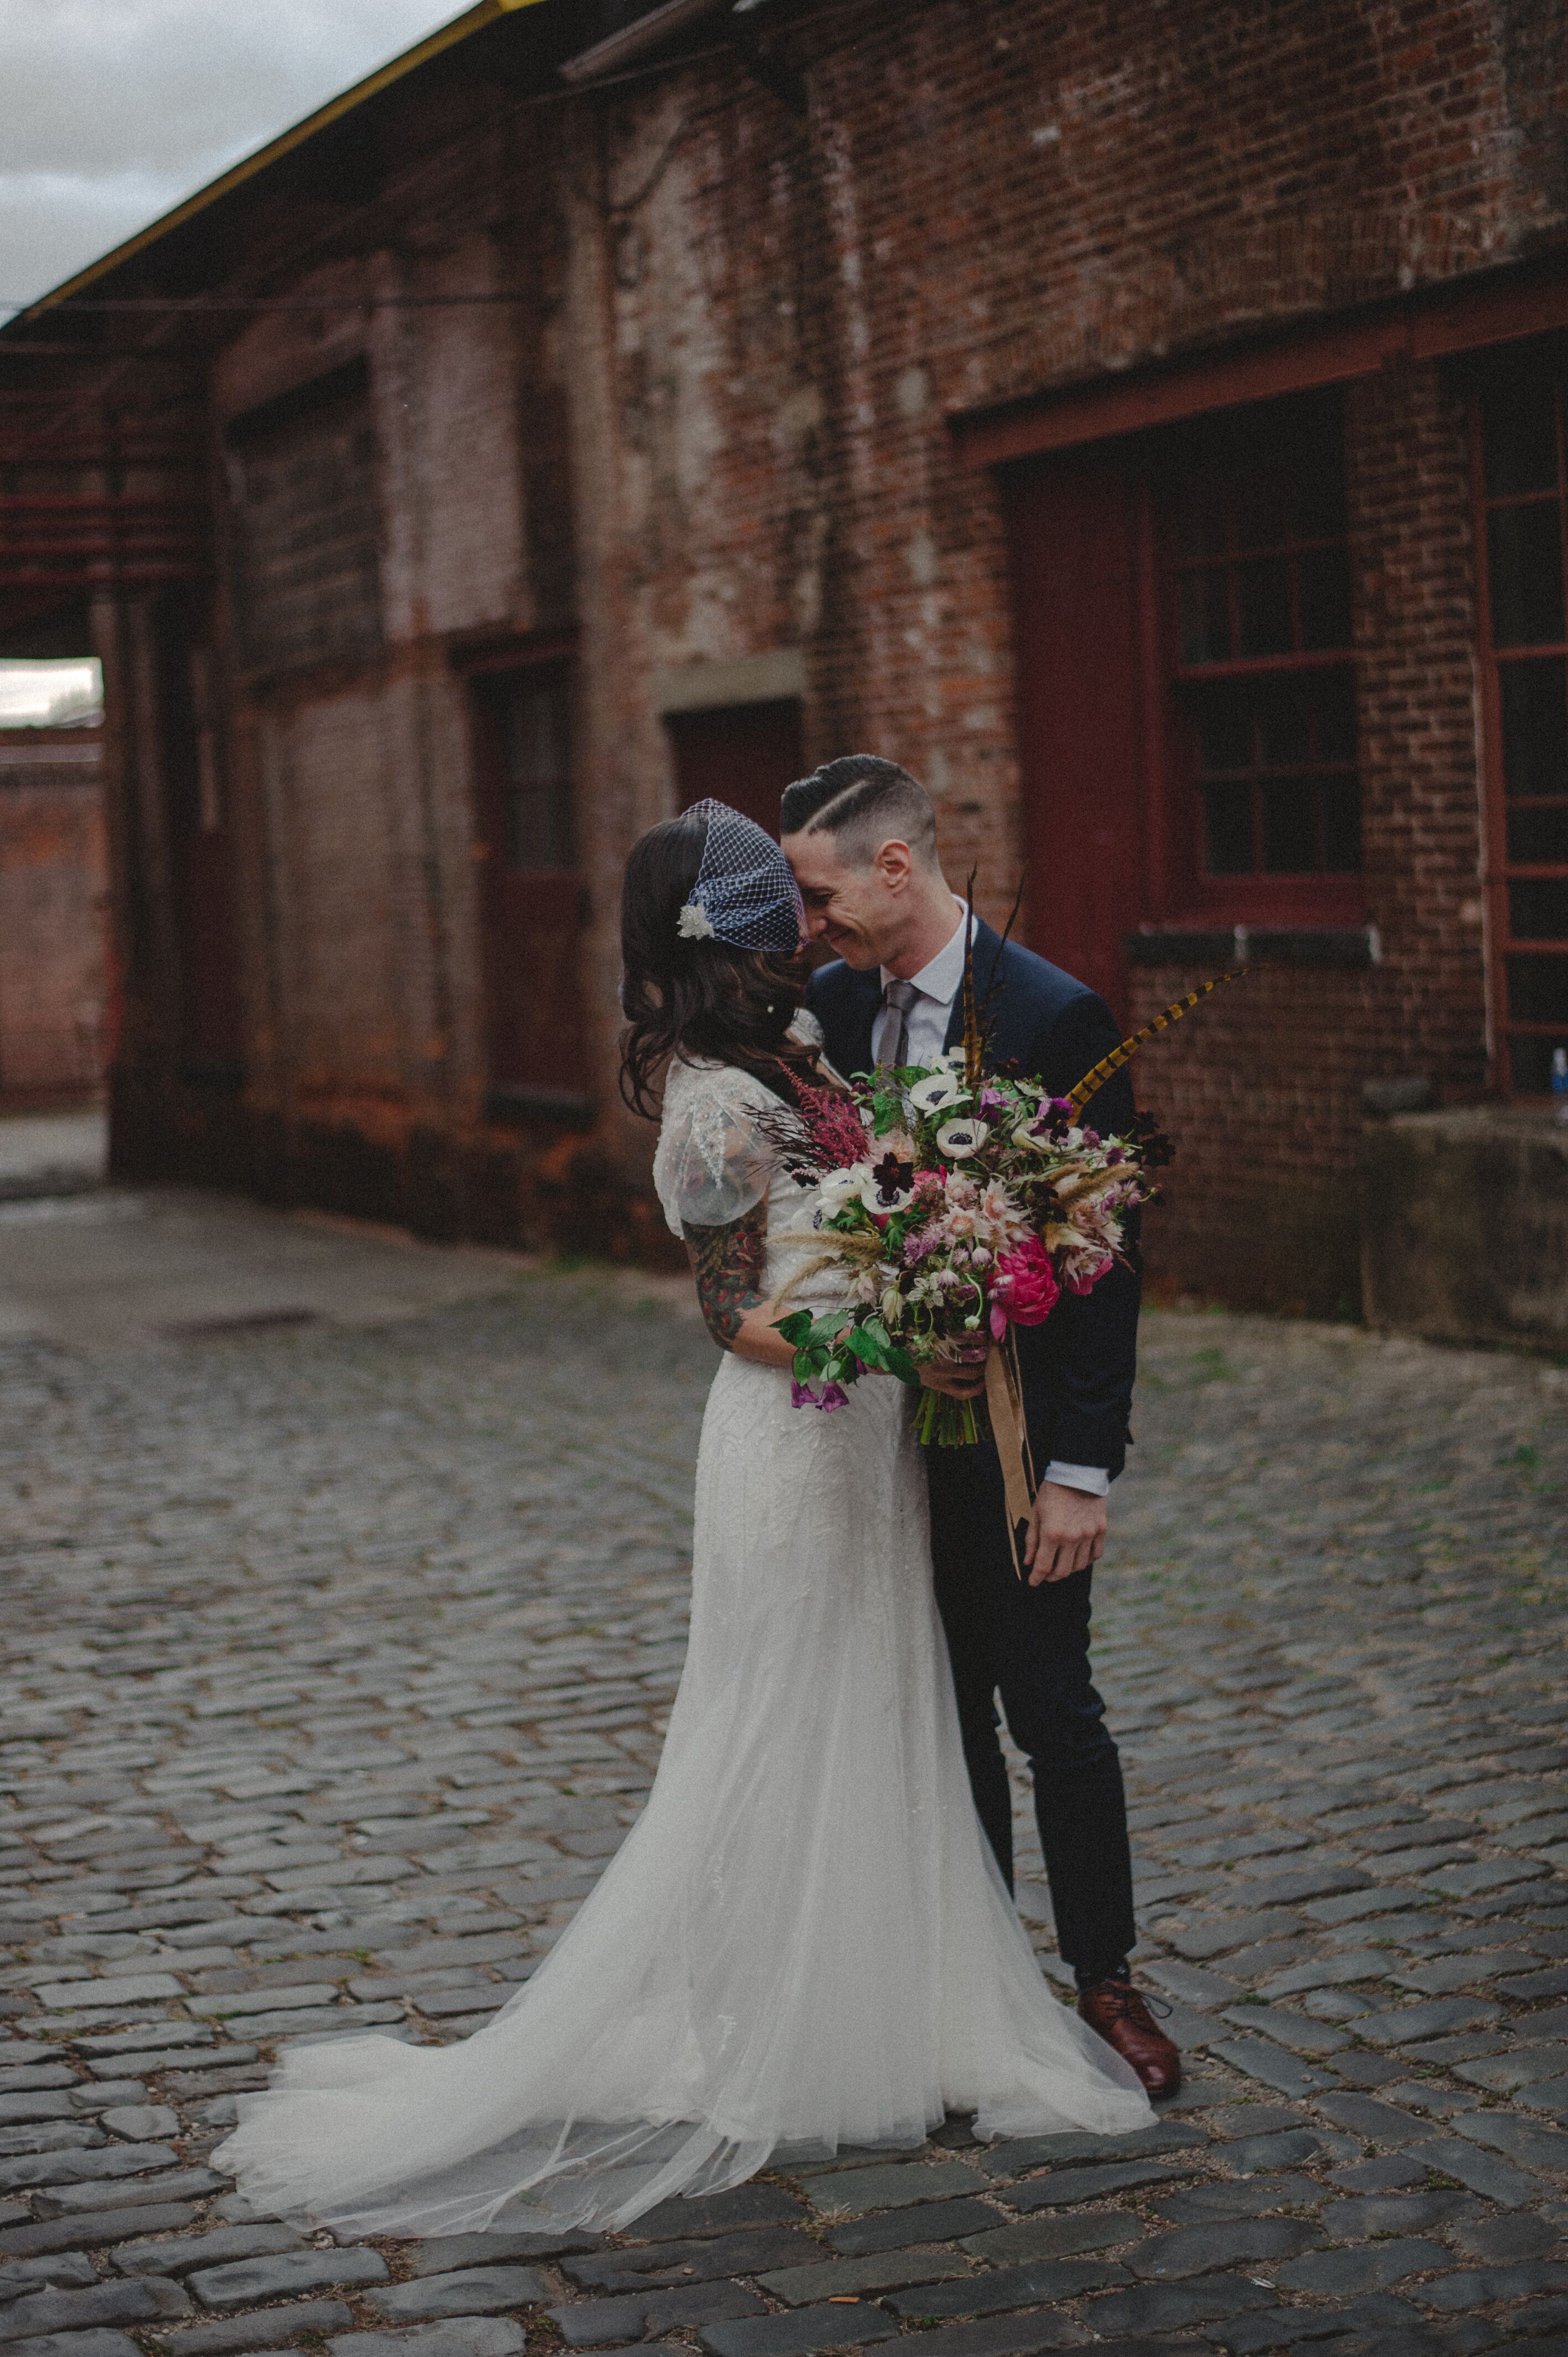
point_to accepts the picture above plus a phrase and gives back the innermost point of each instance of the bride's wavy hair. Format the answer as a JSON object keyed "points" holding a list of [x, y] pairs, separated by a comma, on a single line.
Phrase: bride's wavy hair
{"points": [[698, 998]]}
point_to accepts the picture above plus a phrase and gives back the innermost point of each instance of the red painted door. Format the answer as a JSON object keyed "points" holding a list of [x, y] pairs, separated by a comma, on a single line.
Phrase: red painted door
{"points": [[1073, 528], [531, 892], [745, 754]]}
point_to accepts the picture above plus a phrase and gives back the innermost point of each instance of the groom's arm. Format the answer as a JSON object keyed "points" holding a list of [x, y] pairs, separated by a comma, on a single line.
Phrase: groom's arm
{"points": [[1091, 1337]]}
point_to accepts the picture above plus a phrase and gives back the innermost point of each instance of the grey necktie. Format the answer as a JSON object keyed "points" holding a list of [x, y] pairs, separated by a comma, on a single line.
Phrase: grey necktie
{"points": [[901, 996]]}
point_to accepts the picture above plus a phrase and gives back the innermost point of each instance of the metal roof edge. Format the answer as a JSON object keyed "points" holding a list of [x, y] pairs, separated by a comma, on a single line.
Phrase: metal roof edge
{"points": [[634, 40], [446, 37]]}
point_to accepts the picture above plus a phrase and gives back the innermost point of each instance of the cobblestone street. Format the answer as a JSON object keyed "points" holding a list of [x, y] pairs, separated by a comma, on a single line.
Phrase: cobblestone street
{"points": [[338, 1656]]}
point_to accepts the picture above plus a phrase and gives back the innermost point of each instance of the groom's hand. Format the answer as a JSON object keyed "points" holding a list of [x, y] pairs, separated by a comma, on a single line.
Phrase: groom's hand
{"points": [[1065, 1533]]}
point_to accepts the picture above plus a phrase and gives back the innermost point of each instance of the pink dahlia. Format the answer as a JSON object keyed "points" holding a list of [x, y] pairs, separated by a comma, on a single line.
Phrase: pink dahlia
{"points": [[1024, 1289]]}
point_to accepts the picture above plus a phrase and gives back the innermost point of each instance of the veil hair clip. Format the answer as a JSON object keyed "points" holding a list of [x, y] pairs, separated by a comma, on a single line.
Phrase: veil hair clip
{"points": [[693, 923]]}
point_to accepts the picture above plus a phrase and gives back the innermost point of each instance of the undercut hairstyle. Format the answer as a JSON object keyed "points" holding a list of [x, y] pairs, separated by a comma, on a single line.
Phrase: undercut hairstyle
{"points": [[862, 801]]}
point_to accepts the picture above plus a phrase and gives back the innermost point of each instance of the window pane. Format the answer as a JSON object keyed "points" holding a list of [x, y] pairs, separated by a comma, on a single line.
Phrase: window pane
{"points": [[1290, 826], [1537, 990], [1539, 838], [1267, 509], [1341, 803], [1285, 723], [1263, 593], [1205, 617], [1334, 695], [1526, 570], [1200, 528], [1228, 830], [1323, 578], [1519, 436], [1535, 727], [1225, 728], [1531, 1066], [532, 717], [1320, 475], [1538, 910]]}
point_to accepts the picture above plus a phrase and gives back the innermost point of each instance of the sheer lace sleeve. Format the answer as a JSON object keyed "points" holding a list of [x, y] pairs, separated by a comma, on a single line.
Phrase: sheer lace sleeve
{"points": [[713, 1161]]}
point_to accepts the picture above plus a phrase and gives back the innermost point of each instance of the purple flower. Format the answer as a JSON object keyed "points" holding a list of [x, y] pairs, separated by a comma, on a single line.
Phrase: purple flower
{"points": [[801, 1394], [833, 1395]]}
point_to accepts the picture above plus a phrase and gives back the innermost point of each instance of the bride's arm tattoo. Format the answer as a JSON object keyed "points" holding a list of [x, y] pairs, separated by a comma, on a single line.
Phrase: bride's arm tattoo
{"points": [[727, 1263]]}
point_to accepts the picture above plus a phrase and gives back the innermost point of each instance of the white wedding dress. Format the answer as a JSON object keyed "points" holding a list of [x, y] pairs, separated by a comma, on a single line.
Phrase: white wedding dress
{"points": [[804, 1942]]}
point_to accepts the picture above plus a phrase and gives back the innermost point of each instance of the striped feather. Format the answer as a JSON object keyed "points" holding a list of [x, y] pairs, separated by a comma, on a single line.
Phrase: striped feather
{"points": [[1129, 1047]]}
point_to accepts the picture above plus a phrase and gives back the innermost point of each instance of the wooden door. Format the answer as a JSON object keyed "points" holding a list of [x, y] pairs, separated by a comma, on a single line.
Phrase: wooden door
{"points": [[1073, 528], [531, 893], [744, 754]]}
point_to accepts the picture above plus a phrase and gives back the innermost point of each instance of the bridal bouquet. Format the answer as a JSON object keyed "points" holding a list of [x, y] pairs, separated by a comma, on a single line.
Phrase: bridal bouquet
{"points": [[961, 1203], [960, 1209]]}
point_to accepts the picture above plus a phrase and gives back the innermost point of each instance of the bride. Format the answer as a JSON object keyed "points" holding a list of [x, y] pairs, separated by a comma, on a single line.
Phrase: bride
{"points": [[804, 1942]]}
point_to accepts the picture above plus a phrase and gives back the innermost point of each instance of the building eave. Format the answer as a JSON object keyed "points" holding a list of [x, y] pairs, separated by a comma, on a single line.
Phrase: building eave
{"points": [[446, 37]]}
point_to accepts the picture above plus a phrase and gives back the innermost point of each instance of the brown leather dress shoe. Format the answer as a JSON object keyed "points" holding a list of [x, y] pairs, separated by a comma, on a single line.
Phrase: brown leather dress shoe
{"points": [[1114, 2011]]}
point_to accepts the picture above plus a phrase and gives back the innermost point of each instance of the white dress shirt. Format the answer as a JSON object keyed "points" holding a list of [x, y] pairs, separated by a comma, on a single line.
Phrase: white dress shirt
{"points": [[938, 984]]}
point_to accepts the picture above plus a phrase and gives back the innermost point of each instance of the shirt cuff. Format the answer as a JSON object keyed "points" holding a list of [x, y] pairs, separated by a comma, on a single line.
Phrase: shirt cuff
{"points": [[1092, 1478]]}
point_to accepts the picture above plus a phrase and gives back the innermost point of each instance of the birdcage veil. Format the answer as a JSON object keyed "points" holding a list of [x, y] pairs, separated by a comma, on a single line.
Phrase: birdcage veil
{"points": [[746, 891]]}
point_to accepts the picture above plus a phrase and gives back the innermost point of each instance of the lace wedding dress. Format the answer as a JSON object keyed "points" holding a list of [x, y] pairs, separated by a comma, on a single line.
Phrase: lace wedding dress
{"points": [[804, 1941]]}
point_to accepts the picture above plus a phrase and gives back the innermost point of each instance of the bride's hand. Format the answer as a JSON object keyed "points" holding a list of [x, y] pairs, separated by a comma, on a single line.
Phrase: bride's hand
{"points": [[962, 1381]]}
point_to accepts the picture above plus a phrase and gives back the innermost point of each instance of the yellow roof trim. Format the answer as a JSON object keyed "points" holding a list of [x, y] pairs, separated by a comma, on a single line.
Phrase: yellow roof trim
{"points": [[446, 37]]}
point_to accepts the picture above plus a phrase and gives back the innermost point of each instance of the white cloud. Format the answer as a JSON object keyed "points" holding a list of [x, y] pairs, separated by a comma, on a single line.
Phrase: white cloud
{"points": [[111, 110]]}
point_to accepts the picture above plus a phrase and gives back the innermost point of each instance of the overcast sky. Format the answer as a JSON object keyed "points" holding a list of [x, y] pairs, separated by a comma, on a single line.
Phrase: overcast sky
{"points": [[111, 110]]}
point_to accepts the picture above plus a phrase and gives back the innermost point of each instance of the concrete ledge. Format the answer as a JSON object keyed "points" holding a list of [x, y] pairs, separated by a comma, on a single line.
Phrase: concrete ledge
{"points": [[714, 686], [1464, 1225], [1351, 946]]}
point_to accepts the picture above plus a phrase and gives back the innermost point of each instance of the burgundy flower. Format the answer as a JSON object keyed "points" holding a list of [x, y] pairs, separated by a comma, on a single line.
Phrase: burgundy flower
{"points": [[1025, 1291], [893, 1179]]}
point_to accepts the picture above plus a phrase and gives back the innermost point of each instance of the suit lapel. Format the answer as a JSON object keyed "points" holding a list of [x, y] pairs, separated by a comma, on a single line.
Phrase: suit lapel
{"points": [[859, 1023]]}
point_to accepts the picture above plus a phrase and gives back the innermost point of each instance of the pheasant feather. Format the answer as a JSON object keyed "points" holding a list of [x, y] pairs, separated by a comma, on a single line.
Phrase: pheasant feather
{"points": [[1095, 1079]]}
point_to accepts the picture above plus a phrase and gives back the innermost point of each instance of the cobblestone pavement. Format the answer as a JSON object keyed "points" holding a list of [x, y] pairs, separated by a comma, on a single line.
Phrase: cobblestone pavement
{"points": [[338, 1661]]}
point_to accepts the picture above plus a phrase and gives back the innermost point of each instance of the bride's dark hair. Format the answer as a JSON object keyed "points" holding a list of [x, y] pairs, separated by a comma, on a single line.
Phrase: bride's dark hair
{"points": [[698, 998]]}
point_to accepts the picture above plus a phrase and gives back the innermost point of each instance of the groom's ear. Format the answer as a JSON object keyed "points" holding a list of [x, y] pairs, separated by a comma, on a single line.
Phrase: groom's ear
{"points": [[893, 865]]}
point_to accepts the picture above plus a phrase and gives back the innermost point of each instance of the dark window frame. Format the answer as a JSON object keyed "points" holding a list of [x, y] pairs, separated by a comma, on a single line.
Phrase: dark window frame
{"points": [[1188, 686], [1518, 960]]}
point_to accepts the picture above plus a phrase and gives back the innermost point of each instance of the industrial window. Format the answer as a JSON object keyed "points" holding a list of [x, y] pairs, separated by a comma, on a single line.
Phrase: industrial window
{"points": [[305, 527], [533, 904], [1256, 560], [1523, 495], [532, 717]]}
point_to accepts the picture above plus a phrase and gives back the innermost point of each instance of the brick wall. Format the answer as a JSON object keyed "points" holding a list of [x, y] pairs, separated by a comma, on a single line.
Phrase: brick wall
{"points": [[1263, 1086], [714, 424]]}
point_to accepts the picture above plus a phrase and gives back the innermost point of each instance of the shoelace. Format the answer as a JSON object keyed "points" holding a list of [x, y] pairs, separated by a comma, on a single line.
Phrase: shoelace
{"points": [[1128, 1999]]}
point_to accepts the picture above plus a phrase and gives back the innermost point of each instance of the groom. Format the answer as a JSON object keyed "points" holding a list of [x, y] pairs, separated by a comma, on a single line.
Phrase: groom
{"points": [[861, 835]]}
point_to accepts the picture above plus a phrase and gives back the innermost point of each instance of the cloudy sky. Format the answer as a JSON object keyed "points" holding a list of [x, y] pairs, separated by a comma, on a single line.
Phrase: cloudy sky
{"points": [[112, 110]]}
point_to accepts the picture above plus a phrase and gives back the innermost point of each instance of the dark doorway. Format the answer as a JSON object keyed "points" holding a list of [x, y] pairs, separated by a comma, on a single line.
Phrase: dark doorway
{"points": [[532, 889], [1073, 530], [744, 754]]}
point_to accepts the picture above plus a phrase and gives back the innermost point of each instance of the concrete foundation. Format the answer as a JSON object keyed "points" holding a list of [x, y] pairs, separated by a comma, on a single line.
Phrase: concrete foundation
{"points": [[1464, 1225]]}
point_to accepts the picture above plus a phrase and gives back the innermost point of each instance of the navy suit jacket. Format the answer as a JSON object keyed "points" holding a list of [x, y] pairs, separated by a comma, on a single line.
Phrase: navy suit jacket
{"points": [[1077, 1368]]}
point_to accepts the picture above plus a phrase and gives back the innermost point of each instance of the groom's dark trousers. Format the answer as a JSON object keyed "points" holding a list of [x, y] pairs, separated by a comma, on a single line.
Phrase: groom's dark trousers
{"points": [[1028, 1647]]}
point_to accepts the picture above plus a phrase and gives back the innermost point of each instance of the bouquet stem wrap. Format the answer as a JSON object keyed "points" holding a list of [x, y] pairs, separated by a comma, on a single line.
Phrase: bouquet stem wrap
{"points": [[1005, 1403]]}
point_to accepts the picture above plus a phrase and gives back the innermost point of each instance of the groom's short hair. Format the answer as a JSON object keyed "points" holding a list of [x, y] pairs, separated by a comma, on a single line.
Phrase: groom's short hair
{"points": [[862, 801]]}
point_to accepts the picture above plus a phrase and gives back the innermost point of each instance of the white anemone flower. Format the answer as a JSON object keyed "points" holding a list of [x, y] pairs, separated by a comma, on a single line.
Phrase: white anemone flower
{"points": [[837, 1187], [958, 1139], [693, 923], [936, 1093]]}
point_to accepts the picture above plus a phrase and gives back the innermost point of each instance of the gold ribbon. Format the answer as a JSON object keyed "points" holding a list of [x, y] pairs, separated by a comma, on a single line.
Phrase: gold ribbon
{"points": [[1005, 1400]]}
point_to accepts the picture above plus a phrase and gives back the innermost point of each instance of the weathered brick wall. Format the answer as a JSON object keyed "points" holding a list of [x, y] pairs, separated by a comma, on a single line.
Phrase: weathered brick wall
{"points": [[52, 884], [714, 424], [1261, 1086]]}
